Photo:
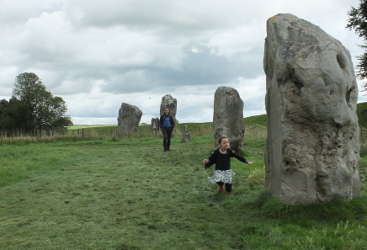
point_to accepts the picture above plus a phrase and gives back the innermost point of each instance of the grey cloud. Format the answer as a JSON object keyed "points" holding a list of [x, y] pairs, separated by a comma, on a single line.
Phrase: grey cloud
{"points": [[129, 81], [15, 13], [164, 16], [197, 68], [205, 68], [96, 54]]}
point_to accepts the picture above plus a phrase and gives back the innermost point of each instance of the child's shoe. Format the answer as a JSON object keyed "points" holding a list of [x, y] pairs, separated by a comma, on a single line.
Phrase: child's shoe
{"points": [[220, 189]]}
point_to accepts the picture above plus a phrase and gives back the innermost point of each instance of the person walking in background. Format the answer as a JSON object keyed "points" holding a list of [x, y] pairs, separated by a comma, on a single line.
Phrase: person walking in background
{"points": [[167, 123], [221, 158]]}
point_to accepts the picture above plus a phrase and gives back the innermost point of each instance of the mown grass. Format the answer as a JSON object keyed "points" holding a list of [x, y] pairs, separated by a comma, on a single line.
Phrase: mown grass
{"points": [[126, 193], [73, 127]]}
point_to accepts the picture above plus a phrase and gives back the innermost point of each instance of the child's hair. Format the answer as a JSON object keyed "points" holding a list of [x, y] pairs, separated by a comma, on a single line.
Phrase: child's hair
{"points": [[221, 138]]}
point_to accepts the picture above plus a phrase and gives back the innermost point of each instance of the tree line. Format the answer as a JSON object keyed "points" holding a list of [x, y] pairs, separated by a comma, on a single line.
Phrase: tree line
{"points": [[357, 20], [32, 108]]}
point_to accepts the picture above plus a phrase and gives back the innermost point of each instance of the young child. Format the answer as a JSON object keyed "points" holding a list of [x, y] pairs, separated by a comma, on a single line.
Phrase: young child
{"points": [[221, 158]]}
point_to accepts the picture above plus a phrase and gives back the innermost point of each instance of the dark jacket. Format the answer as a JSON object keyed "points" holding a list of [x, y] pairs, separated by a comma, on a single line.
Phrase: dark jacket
{"points": [[230, 153], [171, 119]]}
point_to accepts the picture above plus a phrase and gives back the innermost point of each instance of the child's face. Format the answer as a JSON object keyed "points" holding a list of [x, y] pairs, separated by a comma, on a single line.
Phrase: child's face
{"points": [[224, 143]]}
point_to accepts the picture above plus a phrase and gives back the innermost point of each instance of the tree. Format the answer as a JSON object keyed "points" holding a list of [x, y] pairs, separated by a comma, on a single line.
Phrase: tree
{"points": [[14, 116], [39, 108], [358, 21], [4, 106]]}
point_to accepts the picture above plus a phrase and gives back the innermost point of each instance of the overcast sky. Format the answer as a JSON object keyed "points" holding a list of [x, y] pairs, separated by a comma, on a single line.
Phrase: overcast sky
{"points": [[97, 55]]}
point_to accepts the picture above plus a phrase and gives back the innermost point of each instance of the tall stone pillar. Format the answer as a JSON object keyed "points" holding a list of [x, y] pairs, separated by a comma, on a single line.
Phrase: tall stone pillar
{"points": [[312, 150], [228, 117], [128, 119]]}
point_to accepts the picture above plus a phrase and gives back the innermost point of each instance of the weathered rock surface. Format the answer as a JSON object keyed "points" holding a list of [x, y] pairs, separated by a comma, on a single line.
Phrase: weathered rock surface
{"points": [[128, 119], [228, 117], [169, 102], [155, 125], [186, 134], [312, 150]]}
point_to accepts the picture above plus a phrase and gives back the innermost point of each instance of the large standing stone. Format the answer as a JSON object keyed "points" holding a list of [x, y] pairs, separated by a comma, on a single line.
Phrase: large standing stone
{"points": [[128, 119], [312, 150], [228, 117], [169, 102]]}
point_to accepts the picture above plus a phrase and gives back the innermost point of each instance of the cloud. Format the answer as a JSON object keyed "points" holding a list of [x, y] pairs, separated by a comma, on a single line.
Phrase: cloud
{"points": [[98, 54]]}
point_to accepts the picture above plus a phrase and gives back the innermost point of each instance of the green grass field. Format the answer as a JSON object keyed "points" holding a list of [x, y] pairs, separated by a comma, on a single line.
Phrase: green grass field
{"points": [[87, 126], [129, 194]]}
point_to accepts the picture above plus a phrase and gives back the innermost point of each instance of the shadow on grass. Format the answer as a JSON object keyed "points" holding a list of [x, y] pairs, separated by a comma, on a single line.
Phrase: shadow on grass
{"points": [[338, 209]]}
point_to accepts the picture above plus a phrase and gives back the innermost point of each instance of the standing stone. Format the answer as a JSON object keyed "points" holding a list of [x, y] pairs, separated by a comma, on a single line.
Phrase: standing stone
{"points": [[186, 134], [169, 102], [228, 117], [128, 119], [312, 150], [155, 125]]}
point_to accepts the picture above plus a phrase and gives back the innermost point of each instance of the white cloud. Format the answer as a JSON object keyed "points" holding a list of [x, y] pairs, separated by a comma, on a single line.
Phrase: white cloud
{"points": [[244, 39], [98, 54]]}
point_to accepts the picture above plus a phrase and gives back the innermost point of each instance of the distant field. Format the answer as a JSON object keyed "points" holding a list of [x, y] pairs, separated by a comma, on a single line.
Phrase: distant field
{"points": [[249, 121], [88, 126], [252, 120]]}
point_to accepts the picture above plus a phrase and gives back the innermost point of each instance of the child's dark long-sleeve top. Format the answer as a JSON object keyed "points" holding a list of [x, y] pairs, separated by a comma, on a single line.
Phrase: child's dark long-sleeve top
{"points": [[222, 161]]}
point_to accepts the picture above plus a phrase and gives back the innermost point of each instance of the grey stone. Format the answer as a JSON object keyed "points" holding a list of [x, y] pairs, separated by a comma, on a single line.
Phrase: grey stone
{"points": [[186, 134], [228, 117], [312, 150], [128, 119], [155, 125]]}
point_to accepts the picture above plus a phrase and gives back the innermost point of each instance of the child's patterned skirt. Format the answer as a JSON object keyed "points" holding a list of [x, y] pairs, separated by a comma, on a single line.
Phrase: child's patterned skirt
{"points": [[222, 175]]}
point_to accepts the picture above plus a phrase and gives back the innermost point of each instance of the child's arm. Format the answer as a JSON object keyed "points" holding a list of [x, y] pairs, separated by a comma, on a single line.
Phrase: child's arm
{"points": [[209, 161], [240, 158]]}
